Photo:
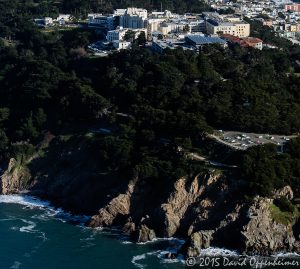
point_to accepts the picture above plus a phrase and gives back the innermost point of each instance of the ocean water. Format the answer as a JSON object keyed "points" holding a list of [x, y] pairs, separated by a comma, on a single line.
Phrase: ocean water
{"points": [[35, 236]]}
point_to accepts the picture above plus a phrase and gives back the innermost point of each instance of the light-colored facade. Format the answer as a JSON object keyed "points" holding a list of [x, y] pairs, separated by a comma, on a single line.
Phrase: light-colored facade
{"points": [[47, 21], [119, 45], [116, 35], [239, 29], [107, 22], [134, 18], [197, 26], [65, 17], [119, 33], [154, 25], [252, 42]]}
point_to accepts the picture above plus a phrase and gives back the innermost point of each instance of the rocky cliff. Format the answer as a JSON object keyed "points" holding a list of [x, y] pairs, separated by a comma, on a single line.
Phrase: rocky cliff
{"points": [[204, 208], [15, 179]]}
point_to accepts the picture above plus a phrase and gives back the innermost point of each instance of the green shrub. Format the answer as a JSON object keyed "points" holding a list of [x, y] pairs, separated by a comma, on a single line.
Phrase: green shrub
{"points": [[284, 204]]}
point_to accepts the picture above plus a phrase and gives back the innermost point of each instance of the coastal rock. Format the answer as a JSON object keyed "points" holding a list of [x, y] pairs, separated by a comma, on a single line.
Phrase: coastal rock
{"points": [[118, 207], [186, 193], [143, 234], [129, 227], [196, 242], [264, 235], [15, 179], [194, 245], [286, 192]]}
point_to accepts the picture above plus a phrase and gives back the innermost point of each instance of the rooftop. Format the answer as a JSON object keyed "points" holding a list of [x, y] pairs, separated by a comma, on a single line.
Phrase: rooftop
{"points": [[202, 40]]}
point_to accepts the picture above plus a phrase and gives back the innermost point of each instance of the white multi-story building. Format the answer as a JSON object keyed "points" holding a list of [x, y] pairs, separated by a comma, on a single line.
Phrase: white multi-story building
{"points": [[119, 45], [161, 14], [197, 26], [47, 21], [119, 33], [119, 12], [64, 17], [133, 18], [116, 35], [99, 20], [154, 24], [235, 28]]}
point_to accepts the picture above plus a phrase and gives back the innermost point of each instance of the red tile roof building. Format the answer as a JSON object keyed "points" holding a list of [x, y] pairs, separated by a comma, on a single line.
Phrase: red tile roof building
{"points": [[293, 7], [244, 42]]}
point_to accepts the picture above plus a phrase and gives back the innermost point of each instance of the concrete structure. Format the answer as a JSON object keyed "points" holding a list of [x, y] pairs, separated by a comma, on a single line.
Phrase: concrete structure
{"points": [[161, 14], [160, 45], [287, 34], [197, 26], [134, 18], [121, 44], [153, 25], [236, 28], [65, 17], [198, 40], [252, 42], [244, 42], [293, 7], [116, 35], [101, 21], [119, 33], [47, 21]]}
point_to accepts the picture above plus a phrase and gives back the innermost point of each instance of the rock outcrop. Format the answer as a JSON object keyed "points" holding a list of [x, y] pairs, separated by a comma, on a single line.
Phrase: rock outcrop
{"points": [[203, 209], [262, 234], [118, 208], [196, 242], [15, 179], [286, 192], [143, 234], [185, 193], [187, 205]]}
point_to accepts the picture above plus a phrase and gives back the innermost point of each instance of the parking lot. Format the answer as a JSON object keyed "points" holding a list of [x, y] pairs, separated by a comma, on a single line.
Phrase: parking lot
{"points": [[240, 140]]}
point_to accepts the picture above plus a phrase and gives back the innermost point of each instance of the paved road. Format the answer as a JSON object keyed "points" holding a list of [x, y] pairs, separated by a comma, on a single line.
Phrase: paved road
{"points": [[197, 157]]}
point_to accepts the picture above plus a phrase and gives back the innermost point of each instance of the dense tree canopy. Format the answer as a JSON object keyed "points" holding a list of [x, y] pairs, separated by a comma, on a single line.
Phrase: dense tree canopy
{"points": [[180, 6], [150, 103], [265, 170]]}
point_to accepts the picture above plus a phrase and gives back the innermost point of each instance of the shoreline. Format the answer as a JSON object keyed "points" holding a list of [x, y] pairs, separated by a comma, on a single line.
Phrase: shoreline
{"points": [[81, 220]]}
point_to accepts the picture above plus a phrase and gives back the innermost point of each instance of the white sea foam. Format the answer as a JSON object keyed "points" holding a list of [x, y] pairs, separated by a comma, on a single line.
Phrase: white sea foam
{"points": [[23, 200], [28, 228], [127, 242], [32, 202], [214, 251], [7, 219], [135, 260], [157, 239], [286, 255]]}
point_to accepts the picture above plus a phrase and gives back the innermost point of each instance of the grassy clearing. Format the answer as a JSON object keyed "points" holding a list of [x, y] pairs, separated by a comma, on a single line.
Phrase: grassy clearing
{"points": [[284, 217]]}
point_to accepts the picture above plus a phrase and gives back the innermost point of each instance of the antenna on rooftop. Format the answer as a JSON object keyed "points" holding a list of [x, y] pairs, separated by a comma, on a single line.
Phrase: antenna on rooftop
{"points": [[161, 7]]}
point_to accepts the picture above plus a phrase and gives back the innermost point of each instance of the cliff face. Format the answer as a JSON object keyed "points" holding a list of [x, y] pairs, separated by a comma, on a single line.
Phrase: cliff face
{"points": [[203, 209], [262, 234], [167, 219], [15, 179]]}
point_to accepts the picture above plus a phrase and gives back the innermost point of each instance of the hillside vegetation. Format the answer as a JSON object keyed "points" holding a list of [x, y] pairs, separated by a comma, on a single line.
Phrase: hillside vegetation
{"points": [[150, 103]]}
